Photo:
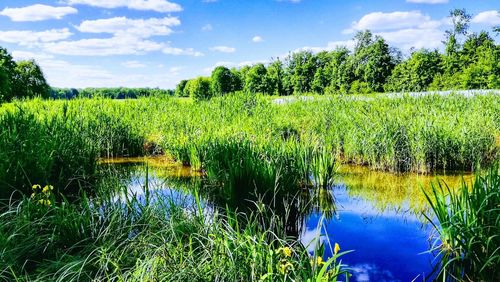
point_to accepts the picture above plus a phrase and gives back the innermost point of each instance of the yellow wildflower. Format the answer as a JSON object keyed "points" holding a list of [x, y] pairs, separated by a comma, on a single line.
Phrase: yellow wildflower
{"points": [[285, 267], [45, 189], [287, 252], [36, 186], [319, 261], [336, 249]]}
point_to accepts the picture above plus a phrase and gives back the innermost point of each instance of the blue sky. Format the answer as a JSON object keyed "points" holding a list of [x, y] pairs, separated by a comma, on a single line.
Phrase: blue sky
{"points": [[156, 43]]}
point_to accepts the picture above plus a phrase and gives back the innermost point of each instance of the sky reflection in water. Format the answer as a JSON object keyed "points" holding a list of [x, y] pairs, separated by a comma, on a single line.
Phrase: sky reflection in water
{"points": [[379, 216]]}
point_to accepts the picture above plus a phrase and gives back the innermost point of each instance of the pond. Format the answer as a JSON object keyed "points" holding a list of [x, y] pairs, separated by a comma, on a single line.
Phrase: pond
{"points": [[377, 215]]}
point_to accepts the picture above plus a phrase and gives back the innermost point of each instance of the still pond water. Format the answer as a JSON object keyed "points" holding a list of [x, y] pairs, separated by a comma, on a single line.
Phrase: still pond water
{"points": [[378, 215]]}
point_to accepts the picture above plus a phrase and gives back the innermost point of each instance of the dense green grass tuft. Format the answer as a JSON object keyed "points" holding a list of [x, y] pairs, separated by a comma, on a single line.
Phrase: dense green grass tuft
{"points": [[468, 228]]}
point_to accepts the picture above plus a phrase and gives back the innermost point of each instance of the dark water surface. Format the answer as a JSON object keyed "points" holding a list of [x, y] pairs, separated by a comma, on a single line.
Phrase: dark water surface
{"points": [[378, 215]]}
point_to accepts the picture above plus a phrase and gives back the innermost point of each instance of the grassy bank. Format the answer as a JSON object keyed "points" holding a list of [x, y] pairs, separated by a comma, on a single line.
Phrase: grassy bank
{"points": [[57, 141], [133, 240]]}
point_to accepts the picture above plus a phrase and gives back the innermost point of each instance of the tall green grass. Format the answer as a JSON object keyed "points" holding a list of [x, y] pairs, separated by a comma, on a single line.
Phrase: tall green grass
{"points": [[133, 240], [39, 139], [468, 228], [47, 143]]}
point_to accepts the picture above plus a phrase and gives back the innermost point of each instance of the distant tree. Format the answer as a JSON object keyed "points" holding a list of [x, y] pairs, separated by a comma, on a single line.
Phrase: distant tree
{"points": [[301, 68], [7, 72], [257, 81], [416, 73], [221, 81], [276, 74], [460, 24], [322, 75], [180, 89], [340, 70], [237, 80], [199, 88], [29, 80], [372, 60]]}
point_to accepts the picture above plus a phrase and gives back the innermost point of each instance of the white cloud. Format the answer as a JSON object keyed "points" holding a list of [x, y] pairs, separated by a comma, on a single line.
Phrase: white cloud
{"points": [[181, 52], [142, 28], [133, 64], [393, 20], [29, 37], [332, 45], [257, 39], [116, 45], [37, 12], [144, 5], [223, 49], [428, 1], [207, 27], [27, 55], [417, 38], [487, 17]]}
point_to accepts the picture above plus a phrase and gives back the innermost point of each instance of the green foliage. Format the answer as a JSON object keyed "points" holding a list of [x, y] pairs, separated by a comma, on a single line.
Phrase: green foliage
{"points": [[7, 73], [180, 89], [128, 240], [221, 81], [468, 228], [257, 81], [469, 61], [29, 81], [199, 88], [416, 73]]}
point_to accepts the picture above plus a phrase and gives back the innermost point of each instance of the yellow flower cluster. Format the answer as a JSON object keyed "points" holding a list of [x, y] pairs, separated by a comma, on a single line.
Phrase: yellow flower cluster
{"points": [[284, 266], [43, 195]]}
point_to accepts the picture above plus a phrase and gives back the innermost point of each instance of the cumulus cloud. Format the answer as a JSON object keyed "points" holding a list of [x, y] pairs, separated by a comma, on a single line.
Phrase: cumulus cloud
{"points": [[332, 45], [162, 6], [181, 52], [393, 20], [117, 45], [37, 12], [223, 49], [143, 28], [405, 29], [257, 39], [414, 37], [30, 38], [487, 17]]}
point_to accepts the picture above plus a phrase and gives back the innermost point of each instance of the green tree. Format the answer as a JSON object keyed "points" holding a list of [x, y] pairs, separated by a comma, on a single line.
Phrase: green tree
{"points": [[199, 88], [301, 69], [276, 74], [416, 73], [29, 80], [180, 89], [322, 76], [237, 81], [221, 81], [7, 72], [257, 81]]}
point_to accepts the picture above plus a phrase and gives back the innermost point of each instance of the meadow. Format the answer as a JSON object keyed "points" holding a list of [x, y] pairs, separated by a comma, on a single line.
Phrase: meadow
{"points": [[70, 227]]}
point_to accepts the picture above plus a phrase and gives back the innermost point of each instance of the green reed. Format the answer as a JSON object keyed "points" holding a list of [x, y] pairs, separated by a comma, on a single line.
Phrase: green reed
{"points": [[468, 228]]}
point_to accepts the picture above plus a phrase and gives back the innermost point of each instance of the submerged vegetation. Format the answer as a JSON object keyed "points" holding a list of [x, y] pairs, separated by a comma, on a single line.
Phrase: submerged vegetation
{"points": [[468, 228]]}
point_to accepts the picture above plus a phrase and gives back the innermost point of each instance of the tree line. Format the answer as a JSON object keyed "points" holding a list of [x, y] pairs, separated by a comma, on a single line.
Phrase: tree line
{"points": [[22, 79], [469, 61], [111, 93], [25, 79]]}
